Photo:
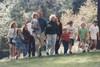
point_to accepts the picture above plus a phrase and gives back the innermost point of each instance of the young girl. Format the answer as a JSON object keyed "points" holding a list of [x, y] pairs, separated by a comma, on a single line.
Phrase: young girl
{"points": [[65, 40], [11, 34], [26, 35], [18, 40]]}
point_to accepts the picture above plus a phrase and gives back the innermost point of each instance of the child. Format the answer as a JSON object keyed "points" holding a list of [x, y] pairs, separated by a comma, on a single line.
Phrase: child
{"points": [[26, 35], [65, 39], [18, 40], [83, 32], [11, 34], [71, 29]]}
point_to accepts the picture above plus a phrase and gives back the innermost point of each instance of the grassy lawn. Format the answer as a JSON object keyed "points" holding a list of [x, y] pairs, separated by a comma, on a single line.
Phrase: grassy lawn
{"points": [[91, 59]]}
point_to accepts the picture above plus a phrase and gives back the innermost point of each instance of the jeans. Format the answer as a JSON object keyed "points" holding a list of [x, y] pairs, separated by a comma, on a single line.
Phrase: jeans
{"points": [[51, 41], [25, 49], [65, 44], [32, 46]]}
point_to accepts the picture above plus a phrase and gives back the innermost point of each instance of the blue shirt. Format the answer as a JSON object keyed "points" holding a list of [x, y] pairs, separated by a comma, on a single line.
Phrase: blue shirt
{"points": [[37, 24], [43, 24]]}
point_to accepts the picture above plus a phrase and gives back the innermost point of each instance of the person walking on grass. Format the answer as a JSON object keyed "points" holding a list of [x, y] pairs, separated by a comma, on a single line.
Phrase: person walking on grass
{"points": [[26, 41], [11, 34], [43, 25], [93, 32], [36, 33], [71, 29], [83, 33], [57, 46], [79, 27], [65, 40], [52, 35], [18, 40], [32, 41]]}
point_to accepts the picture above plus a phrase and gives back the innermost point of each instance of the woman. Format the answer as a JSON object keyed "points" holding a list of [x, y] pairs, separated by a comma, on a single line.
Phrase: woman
{"points": [[51, 33], [60, 33], [11, 34]]}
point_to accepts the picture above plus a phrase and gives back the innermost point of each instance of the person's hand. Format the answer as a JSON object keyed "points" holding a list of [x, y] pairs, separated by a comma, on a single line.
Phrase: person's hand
{"points": [[57, 37], [74, 38], [98, 38], [14, 41], [49, 25]]}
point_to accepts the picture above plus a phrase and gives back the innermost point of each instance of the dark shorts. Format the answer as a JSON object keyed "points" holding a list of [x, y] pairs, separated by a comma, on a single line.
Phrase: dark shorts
{"points": [[19, 47], [78, 38], [71, 41], [11, 41]]}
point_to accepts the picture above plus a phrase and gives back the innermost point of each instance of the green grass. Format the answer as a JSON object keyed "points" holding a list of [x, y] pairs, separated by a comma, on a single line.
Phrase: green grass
{"points": [[91, 59]]}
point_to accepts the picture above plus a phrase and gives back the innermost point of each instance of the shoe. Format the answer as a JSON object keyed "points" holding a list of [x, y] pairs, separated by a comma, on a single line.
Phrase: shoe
{"points": [[17, 57], [88, 50], [65, 54], [95, 49], [70, 52], [29, 56], [84, 51], [47, 53]]}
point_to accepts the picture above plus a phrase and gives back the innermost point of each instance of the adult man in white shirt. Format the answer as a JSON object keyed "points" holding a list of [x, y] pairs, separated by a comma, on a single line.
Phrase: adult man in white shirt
{"points": [[93, 32]]}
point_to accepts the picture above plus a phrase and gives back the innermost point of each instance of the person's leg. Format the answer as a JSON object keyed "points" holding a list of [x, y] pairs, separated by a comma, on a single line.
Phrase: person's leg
{"points": [[64, 47], [57, 47], [70, 45], [53, 42], [48, 44], [29, 51], [24, 50], [95, 45], [11, 51], [33, 46]]}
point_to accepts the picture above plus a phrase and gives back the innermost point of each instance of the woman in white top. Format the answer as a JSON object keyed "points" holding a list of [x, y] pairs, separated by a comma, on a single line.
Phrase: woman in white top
{"points": [[11, 34]]}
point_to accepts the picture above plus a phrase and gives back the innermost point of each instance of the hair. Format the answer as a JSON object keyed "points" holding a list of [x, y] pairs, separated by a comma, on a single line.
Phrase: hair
{"points": [[83, 24], [34, 13], [82, 18], [70, 22], [53, 15], [58, 19], [12, 24], [18, 30]]}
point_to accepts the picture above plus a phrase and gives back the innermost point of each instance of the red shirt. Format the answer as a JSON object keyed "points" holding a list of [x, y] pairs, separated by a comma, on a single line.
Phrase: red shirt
{"points": [[65, 36]]}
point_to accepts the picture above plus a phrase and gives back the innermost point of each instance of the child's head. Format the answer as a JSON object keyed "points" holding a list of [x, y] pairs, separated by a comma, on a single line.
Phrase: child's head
{"points": [[34, 15], [25, 28], [83, 25], [19, 32], [13, 25], [64, 30], [82, 19], [70, 23]]}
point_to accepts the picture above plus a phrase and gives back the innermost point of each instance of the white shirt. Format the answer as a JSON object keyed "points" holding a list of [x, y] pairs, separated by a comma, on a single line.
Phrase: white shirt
{"points": [[72, 30], [93, 31], [30, 27], [12, 32]]}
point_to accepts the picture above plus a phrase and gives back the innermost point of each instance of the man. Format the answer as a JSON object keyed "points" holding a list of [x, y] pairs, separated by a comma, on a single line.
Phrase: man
{"points": [[32, 41], [93, 32], [43, 25]]}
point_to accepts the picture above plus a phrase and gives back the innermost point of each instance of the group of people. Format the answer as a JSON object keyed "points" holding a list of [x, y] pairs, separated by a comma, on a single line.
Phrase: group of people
{"points": [[31, 36]]}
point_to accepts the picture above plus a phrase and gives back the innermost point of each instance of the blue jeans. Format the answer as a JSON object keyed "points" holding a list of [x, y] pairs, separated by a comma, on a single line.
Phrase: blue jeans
{"points": [[51, 41], [65, 44], [25, 49]]}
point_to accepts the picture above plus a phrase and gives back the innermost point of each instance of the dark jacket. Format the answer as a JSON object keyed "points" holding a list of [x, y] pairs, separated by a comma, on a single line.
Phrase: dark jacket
{"points": [[53, 29]]}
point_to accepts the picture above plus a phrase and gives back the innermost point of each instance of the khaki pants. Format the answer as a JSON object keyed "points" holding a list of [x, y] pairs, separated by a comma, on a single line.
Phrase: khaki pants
{"points": [[39, 42]]}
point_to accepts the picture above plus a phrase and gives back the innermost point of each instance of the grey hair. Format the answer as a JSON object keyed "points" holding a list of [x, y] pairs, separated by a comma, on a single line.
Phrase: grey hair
{"points": [[53, 15]]}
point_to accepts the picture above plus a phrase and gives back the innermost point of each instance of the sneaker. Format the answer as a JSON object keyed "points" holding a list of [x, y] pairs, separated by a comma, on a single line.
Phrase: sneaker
{"points": [[65, 54], [84, 51], [95, 49], [47, 53], [88, 50], [70, 52], [16, 57]]}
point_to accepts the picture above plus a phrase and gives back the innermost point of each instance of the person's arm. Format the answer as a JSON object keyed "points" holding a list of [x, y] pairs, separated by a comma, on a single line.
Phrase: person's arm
{"points": [[86, 37], [75, 34], [14, 39], [8, 36]]}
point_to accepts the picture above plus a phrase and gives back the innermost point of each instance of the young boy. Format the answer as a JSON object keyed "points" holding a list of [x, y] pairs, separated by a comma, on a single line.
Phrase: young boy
{"points": [[82, 33], [65, 40], [71, 29]]}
